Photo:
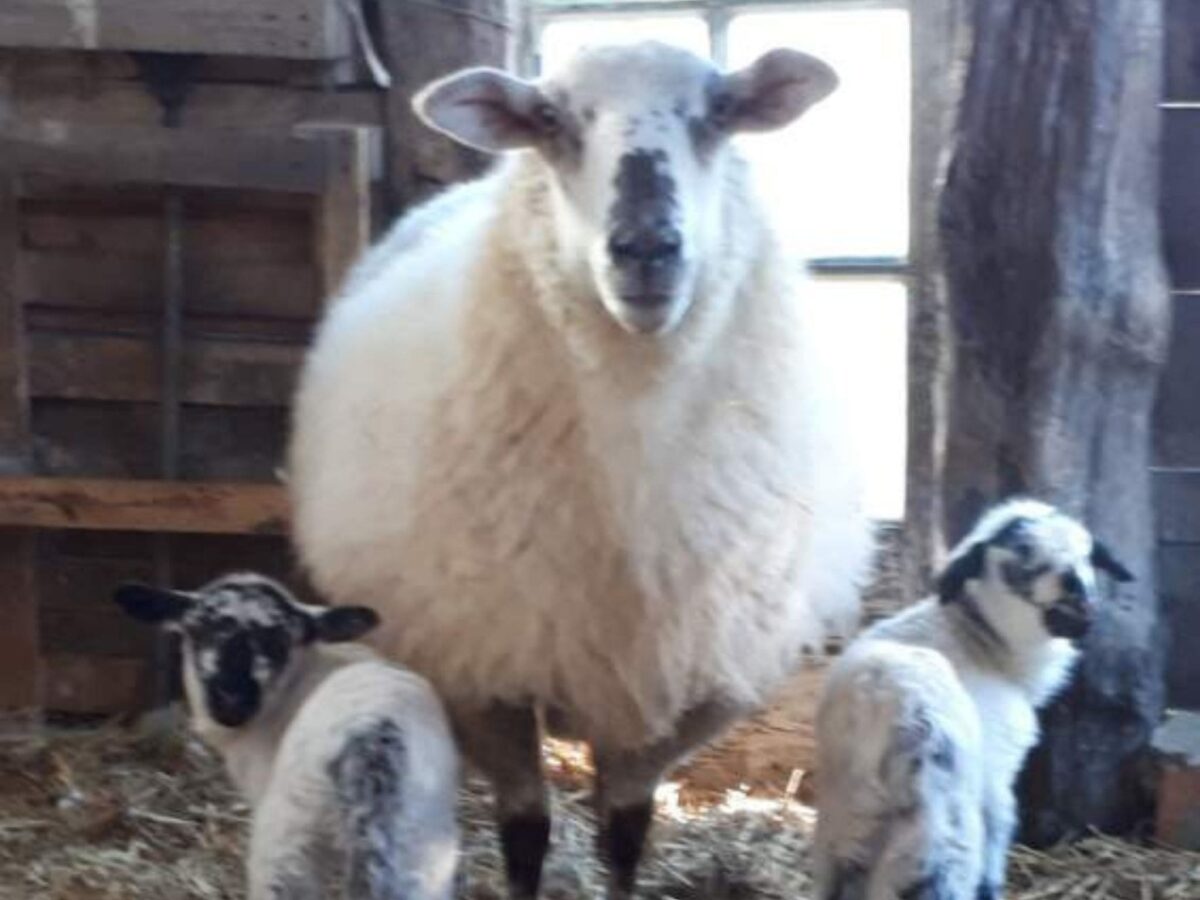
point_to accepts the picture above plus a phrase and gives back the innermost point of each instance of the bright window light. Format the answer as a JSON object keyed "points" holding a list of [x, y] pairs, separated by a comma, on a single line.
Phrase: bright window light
{"points": [[867, 321], [562, 38], [841, 172]]}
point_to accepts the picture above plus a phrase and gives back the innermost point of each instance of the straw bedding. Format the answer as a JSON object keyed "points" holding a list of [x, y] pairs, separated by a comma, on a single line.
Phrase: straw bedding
{"points": [[122, 815]]}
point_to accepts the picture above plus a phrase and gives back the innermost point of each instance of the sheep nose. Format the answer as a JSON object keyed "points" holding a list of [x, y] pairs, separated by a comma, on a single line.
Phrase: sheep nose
{"points": [[657, 245]]}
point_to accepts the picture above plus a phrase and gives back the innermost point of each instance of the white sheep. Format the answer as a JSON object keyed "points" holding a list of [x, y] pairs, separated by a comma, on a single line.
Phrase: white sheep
{"points": [[569, 429], [348, 761], [927, 718]]}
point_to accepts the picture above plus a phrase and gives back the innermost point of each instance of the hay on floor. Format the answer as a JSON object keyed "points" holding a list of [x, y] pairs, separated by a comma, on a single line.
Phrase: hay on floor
{"points": [[119, 815]]}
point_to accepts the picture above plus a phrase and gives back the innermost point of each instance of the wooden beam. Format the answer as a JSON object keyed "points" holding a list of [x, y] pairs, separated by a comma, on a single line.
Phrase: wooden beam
{"points": [[423, 41], [96, 685], [192, 158], [86, 101], [343, 220], [297, 29], [118, 368], [1059, 319], [163, 506], [20, 656]]}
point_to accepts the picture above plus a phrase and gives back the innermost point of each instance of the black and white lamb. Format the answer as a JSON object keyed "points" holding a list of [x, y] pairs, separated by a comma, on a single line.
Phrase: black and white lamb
{"points": [[347, 760], [927, 718]]}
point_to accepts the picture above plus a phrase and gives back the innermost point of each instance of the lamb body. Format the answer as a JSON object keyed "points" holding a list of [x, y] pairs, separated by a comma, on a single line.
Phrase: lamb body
{"points": [[927, 718], [347, 760]]}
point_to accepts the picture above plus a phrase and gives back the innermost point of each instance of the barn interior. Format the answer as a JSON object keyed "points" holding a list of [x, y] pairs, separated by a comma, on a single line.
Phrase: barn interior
{"points": [[185, 183]]}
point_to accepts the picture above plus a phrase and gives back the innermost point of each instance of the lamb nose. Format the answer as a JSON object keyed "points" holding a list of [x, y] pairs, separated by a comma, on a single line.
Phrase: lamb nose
{"points": [[657, 245]]}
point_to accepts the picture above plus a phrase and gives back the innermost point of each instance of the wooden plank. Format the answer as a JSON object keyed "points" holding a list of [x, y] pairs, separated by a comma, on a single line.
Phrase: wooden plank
{"points": [[20, 660], [1182, 50], [104, 282], [98, 367], [1177, 411], [72, 584], [94, 685], [1179, 586], [144, 324], [233, 444], [85, 439], [343, 220], [213, 236], [189, 158], [85, 101], [142, 197], [167, 506], [1180, 196], [1177, 505], [199, 558], [97, 632], [302, 29]]}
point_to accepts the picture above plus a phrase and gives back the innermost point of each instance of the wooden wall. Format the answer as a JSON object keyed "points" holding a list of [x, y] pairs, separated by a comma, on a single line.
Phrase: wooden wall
{"points": [[83, 260], [1177, 437]]}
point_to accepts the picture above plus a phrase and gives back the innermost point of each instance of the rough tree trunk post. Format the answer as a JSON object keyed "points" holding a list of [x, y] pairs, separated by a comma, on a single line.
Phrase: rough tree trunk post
{"points": [[423, 40], [1059, 319], [939, 39]]}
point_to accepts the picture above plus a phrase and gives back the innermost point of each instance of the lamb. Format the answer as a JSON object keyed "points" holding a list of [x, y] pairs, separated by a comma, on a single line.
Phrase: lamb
{"points": [[927, 718], [568, 425], [348, 761]]}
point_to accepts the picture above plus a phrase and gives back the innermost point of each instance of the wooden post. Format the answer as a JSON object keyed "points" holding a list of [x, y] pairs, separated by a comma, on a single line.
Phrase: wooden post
{"points": [[20, 652], [938, 44], [1058, 322], [343, 220], [422, 40]]}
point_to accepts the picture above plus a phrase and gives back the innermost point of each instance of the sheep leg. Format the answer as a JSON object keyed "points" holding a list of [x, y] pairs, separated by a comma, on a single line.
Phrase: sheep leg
{"points": [[999, 822], [283, 871], [504, 742], [625, 783]]}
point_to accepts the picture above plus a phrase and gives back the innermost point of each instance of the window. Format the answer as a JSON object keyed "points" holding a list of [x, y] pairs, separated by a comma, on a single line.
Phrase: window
{"points": [[839, 175]]}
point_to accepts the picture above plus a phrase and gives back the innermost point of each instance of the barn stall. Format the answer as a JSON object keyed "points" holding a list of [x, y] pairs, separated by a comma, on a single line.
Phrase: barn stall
{"points": [[182, 187]]}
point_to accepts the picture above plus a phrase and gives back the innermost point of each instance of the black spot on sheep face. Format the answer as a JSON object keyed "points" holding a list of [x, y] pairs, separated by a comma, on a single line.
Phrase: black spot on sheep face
{"points": [[241, 635], [1041, 558], [633, 137]]}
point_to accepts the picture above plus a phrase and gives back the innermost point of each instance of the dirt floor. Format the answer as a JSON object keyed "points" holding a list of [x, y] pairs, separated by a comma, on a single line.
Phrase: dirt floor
{"points": [[131, 815]]}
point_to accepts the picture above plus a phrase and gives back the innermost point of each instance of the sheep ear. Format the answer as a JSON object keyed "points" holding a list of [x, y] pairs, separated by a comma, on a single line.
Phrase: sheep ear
{"points": [[1103, 559], [151, 604], [339, 624], [484, 108], [775, 90], [959, 571]]}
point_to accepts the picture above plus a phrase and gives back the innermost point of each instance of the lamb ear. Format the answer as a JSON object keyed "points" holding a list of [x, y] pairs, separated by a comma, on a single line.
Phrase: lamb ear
{"points": [[483, 108], [776, 89], [339, 624], [960, 570], [1103, 559], [151, 604]]}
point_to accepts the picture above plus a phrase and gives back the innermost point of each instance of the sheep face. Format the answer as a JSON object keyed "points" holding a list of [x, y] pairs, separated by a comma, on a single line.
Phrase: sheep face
{"points": [[635, 139], [242, 635], [1027, 566]]}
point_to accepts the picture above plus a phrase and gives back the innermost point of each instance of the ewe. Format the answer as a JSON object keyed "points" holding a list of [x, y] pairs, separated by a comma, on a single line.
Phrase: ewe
{"points": [[927, 718], [568, 429], [348, 760]]}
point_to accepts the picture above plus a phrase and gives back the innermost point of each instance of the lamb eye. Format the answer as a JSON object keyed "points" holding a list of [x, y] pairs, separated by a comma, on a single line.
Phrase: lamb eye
{"points": [[721, 108], [548, 119]]}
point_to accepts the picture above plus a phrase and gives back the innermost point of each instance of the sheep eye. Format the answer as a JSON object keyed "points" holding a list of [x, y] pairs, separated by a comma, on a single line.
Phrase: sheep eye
{"points": [[720, 109], [548, 119]]}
